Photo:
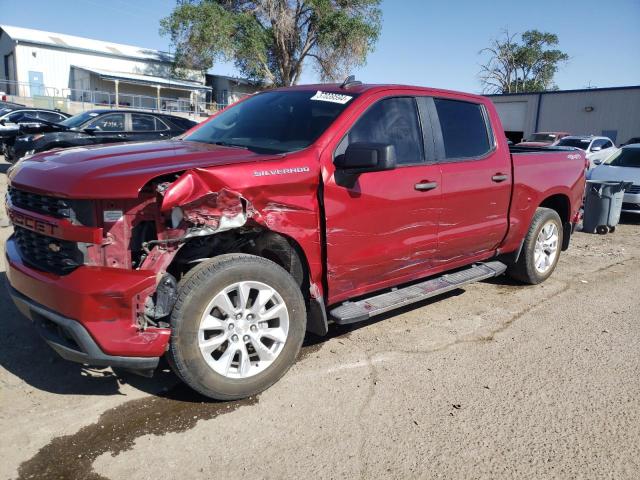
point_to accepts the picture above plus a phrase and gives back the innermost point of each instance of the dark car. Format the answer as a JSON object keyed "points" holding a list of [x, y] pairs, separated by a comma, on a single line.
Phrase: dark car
{"points": [[101, 126], [631, 141], [18, 120]]}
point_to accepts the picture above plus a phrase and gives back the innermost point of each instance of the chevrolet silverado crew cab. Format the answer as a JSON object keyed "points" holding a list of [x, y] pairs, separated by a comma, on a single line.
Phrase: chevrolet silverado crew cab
{"points": [[291, 210]]}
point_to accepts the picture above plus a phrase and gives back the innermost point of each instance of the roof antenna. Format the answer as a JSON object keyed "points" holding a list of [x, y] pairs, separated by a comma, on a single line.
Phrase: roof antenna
{"points": [[350, 81]]}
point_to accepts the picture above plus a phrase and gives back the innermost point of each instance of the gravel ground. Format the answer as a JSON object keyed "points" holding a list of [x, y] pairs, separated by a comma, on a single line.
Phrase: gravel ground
{"points": [[495, 380]]}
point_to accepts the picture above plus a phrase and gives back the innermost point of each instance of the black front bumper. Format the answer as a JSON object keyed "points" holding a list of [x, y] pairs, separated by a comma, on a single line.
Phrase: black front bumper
{"points": [[72, 341]]}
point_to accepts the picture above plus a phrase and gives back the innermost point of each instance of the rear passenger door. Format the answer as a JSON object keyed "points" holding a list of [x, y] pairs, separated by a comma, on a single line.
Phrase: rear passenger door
{"points": [[476, 180], [147, 127]]}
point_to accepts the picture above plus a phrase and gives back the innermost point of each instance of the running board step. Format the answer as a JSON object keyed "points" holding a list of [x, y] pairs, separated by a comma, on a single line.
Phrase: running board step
{"points": [[351, 312]]}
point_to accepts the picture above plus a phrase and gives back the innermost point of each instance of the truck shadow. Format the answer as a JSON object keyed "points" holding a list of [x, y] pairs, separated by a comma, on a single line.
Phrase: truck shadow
{"points": [[24, 354]]}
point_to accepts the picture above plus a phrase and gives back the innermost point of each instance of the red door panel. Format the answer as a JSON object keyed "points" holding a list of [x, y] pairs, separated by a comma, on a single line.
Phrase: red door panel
{"points": [[476, 181], [475, 209], [381, 230]]}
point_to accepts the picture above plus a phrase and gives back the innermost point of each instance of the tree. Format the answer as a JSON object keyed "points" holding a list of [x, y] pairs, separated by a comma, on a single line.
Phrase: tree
{"points": [[525, 66], [270, 40]]}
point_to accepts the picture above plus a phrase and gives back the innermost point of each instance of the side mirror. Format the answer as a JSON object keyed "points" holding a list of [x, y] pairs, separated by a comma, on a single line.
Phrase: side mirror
{"points": [[90, 130], [2, 121], [596, 149], [361, 157], [597, 162]]}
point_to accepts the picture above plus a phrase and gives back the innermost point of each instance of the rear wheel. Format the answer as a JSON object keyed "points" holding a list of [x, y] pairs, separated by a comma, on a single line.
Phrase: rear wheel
{"points": [[541, 248], [237, 326]]}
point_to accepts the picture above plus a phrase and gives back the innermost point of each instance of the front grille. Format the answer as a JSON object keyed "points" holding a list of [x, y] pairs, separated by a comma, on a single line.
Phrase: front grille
{"points": [[47, 253], [56, 207], [635, 189], [77, 211]]}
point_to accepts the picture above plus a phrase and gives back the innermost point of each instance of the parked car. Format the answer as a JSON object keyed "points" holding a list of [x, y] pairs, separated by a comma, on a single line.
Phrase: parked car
{"points": [[10, 105], [597, 148], [15, 121], [631, 141], [291, 208], [622, 166], [101, 126], [543, 139]]}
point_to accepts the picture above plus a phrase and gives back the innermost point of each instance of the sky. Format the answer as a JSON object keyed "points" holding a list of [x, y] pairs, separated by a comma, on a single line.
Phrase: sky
{"points": [[423, 42]]}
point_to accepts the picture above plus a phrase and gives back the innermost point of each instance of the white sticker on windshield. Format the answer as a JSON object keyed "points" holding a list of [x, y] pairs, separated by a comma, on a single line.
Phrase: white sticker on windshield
{"points": [[331, 97]]}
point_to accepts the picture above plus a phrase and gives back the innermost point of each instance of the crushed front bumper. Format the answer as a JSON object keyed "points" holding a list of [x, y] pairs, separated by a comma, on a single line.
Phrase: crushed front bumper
{"points": [[91, 311], [71, 340]]}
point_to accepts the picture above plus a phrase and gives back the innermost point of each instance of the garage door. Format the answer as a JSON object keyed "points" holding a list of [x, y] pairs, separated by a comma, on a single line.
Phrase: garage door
{"points": [[512, 115]]}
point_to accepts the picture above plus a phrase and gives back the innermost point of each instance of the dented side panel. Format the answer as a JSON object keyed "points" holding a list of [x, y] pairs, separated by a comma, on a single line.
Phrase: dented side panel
{"points": [[279, 195]]}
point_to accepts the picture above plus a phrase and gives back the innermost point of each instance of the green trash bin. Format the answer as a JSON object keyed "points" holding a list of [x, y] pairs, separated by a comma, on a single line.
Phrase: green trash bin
{"points": [[602, 205]]}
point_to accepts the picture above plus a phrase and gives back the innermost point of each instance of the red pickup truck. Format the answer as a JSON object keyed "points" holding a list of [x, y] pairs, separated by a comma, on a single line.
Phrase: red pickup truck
{"points": [[291, 210]]}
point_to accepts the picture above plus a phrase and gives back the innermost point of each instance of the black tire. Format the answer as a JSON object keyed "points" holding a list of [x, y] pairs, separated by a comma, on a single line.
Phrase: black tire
{"points": [[524, 269], [197, 290], [602, 229]]}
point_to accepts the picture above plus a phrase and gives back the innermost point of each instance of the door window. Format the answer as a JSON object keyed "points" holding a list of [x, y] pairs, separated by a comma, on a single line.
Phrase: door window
{"points": [[16, 117], [143, 123], [50, 116], [392, 121], [109, 123], [598, 143], [607, 144], [464, 129]]}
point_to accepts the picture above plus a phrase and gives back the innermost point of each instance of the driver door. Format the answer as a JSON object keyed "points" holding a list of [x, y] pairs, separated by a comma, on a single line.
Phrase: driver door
{"points": [[382, 227]]}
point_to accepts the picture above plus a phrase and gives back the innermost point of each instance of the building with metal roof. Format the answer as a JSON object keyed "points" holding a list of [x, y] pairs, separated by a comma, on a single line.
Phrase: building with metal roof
{"points": [[37, 63], [612, 112]]}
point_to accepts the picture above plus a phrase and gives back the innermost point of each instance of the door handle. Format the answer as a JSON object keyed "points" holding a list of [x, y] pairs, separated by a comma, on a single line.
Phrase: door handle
{"points": [[499, 177], [425, 186]]}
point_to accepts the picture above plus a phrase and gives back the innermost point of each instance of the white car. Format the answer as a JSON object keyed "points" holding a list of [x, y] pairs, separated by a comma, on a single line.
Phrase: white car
{"points": [[597, 148], [623, 166]]}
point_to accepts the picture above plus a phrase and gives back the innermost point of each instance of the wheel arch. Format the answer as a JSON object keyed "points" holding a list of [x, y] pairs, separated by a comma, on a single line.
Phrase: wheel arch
{"points": [[561, 204], [275, 246]]}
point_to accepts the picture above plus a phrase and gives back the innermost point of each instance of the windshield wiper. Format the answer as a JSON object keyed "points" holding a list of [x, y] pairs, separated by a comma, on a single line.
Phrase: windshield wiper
{"points": [[233, 145]]}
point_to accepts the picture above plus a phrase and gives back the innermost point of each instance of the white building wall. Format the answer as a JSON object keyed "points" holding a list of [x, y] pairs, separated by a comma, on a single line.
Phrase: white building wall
{"points": [[586, 112], [55, 65], [610, 110]]}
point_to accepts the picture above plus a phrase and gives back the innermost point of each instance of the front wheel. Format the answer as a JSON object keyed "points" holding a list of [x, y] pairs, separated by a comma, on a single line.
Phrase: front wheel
{"points": [[237, 326], [541, 248]]}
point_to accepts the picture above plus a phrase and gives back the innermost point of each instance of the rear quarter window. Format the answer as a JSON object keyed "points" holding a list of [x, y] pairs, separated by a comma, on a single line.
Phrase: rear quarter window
{"points": [[464, 128]]}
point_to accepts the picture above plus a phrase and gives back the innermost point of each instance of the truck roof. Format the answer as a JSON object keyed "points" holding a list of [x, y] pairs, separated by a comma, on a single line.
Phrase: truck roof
{"points": [[373, 88]]}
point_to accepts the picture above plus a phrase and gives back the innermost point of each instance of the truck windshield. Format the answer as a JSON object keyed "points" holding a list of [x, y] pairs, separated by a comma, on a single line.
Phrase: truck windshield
{"points": [[277, 122]]}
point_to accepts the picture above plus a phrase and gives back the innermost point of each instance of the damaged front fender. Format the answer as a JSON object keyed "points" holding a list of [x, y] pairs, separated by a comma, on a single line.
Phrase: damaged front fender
{"points": [[208, 211]]}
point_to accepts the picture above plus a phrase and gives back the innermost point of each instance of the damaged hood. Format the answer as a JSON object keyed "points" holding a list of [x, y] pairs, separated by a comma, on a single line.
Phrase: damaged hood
{"points": [[119, 170]]}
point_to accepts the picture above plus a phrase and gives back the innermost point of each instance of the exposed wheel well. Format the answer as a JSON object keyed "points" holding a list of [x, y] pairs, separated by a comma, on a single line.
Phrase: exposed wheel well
{"points": [[263, 243], [561, 204]]}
